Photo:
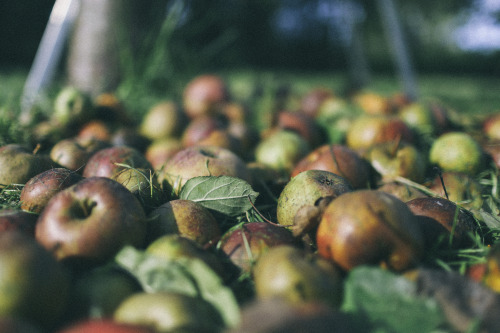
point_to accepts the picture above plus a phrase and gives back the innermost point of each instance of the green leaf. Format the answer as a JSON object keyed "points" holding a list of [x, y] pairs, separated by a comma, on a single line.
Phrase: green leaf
{"points": [[227, 195], [390, 302], [187, 275]]}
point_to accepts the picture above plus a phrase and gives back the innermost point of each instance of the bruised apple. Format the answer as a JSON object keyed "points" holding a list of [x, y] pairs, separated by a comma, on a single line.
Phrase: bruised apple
{"points": [[369, 227], [305, 189], [91, 221]]}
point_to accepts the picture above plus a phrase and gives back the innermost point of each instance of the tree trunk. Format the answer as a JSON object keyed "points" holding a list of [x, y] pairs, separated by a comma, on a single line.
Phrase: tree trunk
{"points": [[94, 52]]}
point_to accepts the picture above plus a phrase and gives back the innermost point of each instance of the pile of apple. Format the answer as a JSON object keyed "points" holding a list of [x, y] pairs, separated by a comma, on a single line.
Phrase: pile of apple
{"points": [[343, 182]]}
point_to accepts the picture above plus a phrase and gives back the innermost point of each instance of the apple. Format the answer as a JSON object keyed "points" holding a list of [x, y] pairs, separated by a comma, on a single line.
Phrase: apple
{"points": [[457, 151], [18, 165], [103, 163], [461, 188], [311, 102], [91, 221], [492, 152], [305, 189], [104, 326], [341, 160], [372, 103], [172, 247], [297, 276], [491, 127], [40, 189], [222, 138], [282, 150], [71, 106], [73, 153], [367, 130], [419, 117], [95, 129], [15, 219], [457, 220], [143, 183], [397, 159], [159, 151], [245, 244], [201, 127], [110, 109], [186, 218], [33, 285], [169, 312], [303, 124], [370, 227], [198, 161], [204, 95], [163, 120]]}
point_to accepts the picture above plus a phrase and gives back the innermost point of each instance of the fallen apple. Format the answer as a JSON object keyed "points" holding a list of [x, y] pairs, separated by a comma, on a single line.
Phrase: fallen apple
{"points": [[91, 221], [369, 227]]}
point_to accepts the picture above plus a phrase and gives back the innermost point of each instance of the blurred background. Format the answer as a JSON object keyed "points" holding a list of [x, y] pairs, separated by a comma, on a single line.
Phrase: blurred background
{"points": [[459, 36]]}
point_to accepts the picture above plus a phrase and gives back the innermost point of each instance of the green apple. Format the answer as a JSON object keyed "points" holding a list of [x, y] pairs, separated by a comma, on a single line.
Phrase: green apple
{"points": [[281, 150], [163, 120], [457, 151], [297, 276], [169, 312]]}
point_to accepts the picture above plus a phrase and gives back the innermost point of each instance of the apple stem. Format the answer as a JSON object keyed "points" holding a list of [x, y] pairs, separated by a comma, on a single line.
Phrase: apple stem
{"points": [[397, 143], [440, 174], [265, 219]]}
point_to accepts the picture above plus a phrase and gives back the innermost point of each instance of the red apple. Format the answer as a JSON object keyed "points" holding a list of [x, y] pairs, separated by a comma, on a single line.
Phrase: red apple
{"points": [[244, 245], [91, 220], [73, 153], [340, 160], [159, 151], [200, 128], [104, 163], [40, 189], [369, 227], [201, 161], [303, 124], [204, 95]]}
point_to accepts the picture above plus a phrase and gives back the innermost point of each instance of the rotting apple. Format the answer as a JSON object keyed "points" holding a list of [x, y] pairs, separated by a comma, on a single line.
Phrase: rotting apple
{"points": [[129, 136], [401, 191], [105, 162], [304, 190], [18, 165], [297, 276], [198, 161], [245, 244], [201, 127], [370, 227], [341, 160], [33, 285], [397, 159], [91, 221], [491, 126], [186, 218], [37, 192], [95, 129], [303, 124]]}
